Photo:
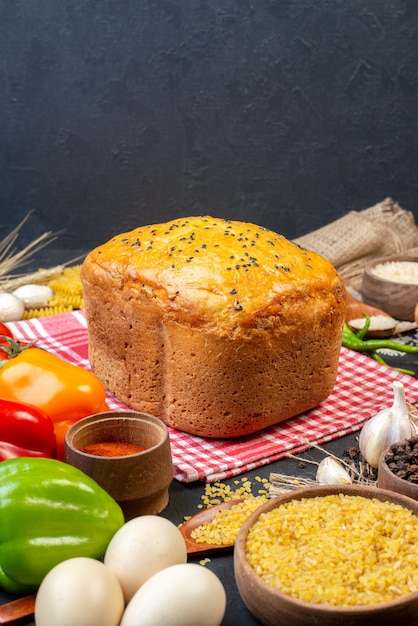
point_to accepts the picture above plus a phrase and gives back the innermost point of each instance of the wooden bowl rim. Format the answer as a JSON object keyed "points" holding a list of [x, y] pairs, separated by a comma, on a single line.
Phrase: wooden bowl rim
{"points": [[136, 416], [396, 480], [311, 492], [388, 259]]}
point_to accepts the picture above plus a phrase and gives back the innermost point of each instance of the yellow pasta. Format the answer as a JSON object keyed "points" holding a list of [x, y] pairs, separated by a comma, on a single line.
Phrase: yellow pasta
{"points": [[45, 311], [75, 301], [69, 282]]}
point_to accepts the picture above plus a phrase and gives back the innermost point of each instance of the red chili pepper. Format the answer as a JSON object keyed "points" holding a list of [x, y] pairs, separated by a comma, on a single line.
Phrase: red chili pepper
{"points": [[25, 430]]}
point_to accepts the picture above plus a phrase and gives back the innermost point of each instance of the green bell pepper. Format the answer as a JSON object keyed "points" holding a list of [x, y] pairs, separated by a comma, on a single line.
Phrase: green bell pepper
{"points": [[50, 511]]}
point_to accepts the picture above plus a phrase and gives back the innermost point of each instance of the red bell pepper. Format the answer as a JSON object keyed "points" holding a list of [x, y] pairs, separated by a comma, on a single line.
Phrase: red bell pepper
{"points": [[25, 430]]}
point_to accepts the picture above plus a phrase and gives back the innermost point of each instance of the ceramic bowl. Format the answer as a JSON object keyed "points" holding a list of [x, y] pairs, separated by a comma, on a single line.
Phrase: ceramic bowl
{"points": [[139, 482], [395, 298], [386, 479], [273, 608]]}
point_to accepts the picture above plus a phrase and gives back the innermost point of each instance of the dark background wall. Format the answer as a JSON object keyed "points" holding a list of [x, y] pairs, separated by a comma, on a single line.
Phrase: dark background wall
{"points": [[289, 113]]}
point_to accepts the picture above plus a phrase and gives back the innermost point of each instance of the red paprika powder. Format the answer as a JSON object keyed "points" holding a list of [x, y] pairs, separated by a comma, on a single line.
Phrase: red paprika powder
{"points": [[112, 448]]}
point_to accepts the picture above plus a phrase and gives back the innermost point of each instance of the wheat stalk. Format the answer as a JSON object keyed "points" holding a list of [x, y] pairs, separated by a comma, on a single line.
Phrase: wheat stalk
{"points": [[281, 483], [11, 258]]}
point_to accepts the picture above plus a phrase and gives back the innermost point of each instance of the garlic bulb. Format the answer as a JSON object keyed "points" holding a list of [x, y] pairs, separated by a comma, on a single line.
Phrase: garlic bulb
{"points": [[386, 427], [34, 296], [331, 472], [11, 308]]}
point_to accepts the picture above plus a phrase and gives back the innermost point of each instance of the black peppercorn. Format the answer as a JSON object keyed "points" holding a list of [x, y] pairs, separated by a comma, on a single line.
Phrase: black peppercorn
{"points": [[402, 459]]}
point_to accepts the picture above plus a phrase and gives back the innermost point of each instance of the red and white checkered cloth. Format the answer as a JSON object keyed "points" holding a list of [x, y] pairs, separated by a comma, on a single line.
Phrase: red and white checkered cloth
{"points": [[362, 388]]}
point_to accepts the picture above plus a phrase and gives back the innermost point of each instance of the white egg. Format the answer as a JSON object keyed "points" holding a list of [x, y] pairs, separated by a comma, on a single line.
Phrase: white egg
{"points": [[181, 595], [79, 592], [141, 547]]}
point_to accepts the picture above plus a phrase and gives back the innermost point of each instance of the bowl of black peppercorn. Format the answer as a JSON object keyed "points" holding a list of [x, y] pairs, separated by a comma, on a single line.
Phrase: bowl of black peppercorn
{"points": [[398, 468]]}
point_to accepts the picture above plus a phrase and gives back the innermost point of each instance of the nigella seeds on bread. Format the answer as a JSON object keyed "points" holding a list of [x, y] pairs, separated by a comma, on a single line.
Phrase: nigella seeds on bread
{"points": [[218, 327]]}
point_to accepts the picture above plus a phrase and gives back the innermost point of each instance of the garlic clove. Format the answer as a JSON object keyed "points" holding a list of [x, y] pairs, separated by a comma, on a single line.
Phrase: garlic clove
{"points": [[373, 436], [11, 308], [387, 426], [331, 472], [34, 296]]}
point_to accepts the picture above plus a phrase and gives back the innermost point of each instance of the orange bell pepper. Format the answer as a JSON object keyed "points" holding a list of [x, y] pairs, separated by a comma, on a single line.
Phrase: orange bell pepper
{"points": [[65, 392]]}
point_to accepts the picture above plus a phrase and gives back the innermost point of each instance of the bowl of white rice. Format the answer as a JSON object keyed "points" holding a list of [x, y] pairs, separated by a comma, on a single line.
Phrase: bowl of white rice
{"points": [[391, 283]]}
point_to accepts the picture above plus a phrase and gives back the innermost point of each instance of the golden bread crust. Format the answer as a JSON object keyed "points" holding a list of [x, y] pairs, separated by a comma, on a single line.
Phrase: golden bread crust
{"points": [[220, 328]]}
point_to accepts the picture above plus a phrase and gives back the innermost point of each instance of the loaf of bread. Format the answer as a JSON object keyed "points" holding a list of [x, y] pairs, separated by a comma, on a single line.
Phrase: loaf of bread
{"points": [[218, 327]]}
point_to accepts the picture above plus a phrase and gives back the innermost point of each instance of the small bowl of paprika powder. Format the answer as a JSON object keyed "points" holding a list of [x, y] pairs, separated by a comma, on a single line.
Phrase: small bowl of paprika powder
{"points": [[127, 453], [398, 468]]}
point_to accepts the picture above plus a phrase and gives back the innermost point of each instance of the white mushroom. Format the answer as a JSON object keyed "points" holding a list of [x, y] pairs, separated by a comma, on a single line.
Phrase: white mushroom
{"points": [[34, 296], [11, 308]]}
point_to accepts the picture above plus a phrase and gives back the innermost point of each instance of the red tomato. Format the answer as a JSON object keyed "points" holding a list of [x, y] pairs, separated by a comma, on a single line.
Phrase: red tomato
{"points": [[5, 332], [5, 336], [10, 348]]}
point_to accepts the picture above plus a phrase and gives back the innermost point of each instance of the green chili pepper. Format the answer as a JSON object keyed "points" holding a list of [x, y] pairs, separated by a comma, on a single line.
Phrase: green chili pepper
{"points": [[351, 340], [50, 511], [363, 331], [376, 357]]}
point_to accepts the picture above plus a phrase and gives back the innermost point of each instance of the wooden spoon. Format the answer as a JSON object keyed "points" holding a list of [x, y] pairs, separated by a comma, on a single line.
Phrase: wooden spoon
{"points": [[356, 310], [21, 610], [18, 611], [207, 515]]}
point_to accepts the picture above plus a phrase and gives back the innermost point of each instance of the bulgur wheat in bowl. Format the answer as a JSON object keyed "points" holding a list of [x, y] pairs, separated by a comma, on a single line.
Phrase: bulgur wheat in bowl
{"points": [[331, 555]]}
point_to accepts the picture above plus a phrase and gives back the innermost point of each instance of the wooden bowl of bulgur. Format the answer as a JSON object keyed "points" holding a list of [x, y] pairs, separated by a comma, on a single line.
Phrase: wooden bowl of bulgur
{"points": [[331, 555]]}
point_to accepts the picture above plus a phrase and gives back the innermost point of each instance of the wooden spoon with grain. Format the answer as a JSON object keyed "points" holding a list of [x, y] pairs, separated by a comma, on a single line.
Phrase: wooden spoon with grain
{"points": [[356, 310], [19, 611], [207, 515]]}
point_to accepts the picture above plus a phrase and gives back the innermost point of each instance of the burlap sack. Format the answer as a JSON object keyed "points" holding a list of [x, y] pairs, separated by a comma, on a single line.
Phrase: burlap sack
{"points": [[352, 240]]}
